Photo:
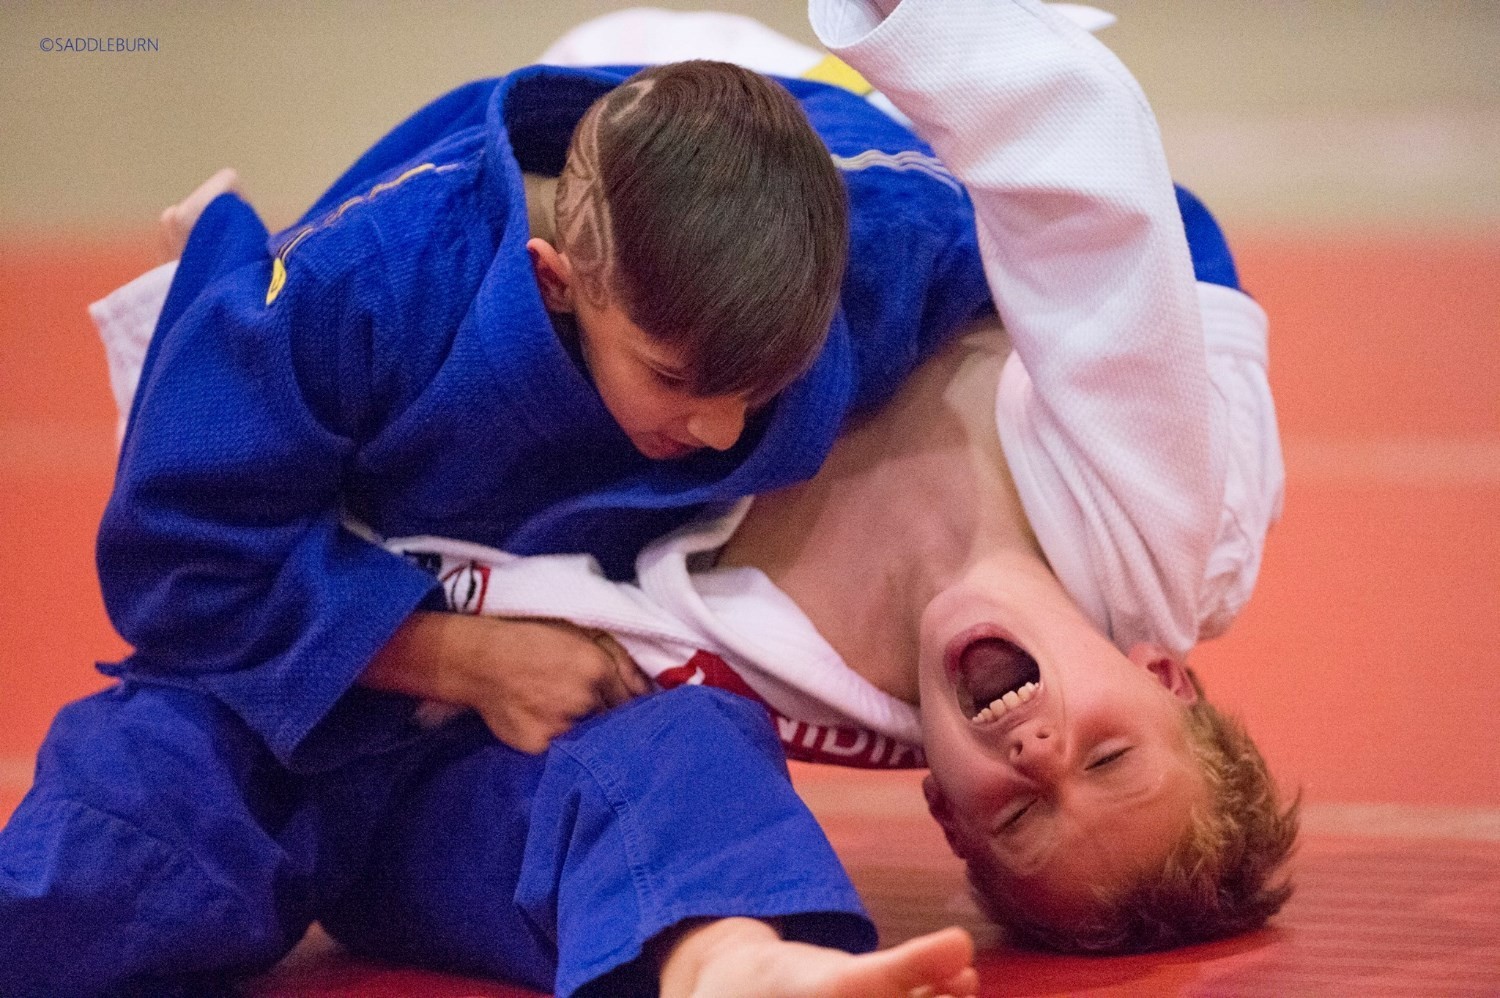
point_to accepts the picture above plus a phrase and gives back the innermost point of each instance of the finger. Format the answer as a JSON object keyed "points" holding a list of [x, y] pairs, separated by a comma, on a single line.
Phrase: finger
{"points": [[531, 743], [617, 685], [522, 734], [964, 983], [937, 956], [636, 681], [612, 688], [532, 739]]}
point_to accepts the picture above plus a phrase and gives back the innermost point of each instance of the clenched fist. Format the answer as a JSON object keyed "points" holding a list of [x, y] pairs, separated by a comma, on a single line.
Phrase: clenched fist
{"points": [[530, 680]]}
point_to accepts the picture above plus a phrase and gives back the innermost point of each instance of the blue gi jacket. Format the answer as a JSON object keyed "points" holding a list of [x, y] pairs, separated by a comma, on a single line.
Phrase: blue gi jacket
{"points": [[389, 359]]}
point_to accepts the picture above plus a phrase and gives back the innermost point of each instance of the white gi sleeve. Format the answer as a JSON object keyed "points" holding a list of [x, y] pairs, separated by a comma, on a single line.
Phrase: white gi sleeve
{"points": [[1117, 435]]}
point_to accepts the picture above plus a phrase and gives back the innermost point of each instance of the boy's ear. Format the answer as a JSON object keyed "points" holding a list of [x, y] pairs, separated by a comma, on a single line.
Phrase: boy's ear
{"points": [[1168, 671], [942, 812], [554, 275]]}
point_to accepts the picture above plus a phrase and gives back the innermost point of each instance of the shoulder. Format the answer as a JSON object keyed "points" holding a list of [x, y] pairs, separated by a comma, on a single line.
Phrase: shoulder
{"points": [[375, 288], [893, 178], [383, 234]]}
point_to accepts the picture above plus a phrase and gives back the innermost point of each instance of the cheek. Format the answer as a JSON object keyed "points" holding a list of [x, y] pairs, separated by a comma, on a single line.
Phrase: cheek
{"points": [[636, 401], [974, 783]]}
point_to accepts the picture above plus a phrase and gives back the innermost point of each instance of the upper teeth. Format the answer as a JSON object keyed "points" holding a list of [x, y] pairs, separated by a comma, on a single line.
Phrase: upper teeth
{"points": [[1012, 698]]}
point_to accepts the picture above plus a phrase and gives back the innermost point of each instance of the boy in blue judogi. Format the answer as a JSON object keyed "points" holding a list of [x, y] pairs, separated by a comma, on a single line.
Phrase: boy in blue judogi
{"points": [[425, 354]]}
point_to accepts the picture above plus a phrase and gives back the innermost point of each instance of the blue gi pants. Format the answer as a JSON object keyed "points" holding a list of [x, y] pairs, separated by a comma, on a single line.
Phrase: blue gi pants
{"points": [[163, 850]]}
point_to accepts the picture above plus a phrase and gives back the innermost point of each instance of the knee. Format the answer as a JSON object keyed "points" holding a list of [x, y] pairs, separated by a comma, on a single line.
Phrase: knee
{"points": [[90, 903], [128, 743], [160, 775], [143, 849]]}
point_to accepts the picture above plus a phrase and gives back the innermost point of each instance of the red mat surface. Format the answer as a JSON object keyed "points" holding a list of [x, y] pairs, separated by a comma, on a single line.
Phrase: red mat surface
{"points": [[1366, 664]]}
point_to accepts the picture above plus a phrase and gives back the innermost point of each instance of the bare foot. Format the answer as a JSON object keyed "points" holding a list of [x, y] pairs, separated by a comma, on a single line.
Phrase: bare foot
{"points": [[745, 958], [178, 220]]}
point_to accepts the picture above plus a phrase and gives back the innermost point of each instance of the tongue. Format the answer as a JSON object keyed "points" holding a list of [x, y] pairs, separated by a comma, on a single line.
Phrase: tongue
{"points": [[991, 666]]}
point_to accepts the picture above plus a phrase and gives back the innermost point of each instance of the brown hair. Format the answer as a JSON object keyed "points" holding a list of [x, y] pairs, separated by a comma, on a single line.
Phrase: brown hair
{"points": [[1224, 877], [697, 196]]}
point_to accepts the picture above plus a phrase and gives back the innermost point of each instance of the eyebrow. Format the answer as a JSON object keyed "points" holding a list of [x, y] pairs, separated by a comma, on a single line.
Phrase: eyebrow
{"points": [[1138, 785], [1031, 856]]}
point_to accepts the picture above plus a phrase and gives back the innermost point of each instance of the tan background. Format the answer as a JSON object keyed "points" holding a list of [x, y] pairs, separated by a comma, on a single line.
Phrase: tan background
{"points": [[1282, 114]]}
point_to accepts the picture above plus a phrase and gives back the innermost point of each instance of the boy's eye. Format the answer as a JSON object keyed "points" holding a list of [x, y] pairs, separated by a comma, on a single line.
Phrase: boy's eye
{"points": [[671, 379], [1103, 761], [1016, 815]]}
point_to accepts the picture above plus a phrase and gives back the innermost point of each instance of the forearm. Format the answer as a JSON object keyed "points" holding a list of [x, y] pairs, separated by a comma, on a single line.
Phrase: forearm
{"points": [[430, 657]]}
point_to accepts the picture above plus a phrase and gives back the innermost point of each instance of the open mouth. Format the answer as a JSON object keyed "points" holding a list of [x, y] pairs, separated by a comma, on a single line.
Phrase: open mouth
{"points": [[993, 676]]}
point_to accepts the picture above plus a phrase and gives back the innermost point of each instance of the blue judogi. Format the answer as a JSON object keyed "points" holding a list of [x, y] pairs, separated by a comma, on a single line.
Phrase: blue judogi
{"points": [[389, 360], [405, 374], [164, 848]]}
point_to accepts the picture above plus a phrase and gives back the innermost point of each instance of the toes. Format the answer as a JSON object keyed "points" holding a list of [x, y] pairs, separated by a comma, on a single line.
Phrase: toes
{"points": [[177, 221]]}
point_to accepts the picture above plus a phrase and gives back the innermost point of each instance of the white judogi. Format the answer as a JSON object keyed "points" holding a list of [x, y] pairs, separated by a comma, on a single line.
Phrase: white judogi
{"points": [[728, 628]]}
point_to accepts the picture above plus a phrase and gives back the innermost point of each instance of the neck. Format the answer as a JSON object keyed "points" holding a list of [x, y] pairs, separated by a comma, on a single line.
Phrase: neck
{"points": [[908, 503], [541, 197]]}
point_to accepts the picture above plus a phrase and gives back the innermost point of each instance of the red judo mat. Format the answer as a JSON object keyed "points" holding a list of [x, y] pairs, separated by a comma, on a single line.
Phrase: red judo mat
{"points": [[1366, 664], [1372, 916]]}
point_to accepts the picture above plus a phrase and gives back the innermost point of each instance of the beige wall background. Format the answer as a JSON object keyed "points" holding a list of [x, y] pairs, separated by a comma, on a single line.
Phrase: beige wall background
{"points": [[1281, 114]]}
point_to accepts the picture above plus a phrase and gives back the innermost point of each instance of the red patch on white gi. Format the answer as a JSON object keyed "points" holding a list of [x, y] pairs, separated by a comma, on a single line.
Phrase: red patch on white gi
{"points": [[839, 745], [465, 587]]}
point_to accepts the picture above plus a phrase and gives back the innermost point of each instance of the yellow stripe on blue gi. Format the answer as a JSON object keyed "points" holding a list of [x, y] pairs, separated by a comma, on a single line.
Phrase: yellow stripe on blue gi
{"points": [[278, 265], [832, 69]]}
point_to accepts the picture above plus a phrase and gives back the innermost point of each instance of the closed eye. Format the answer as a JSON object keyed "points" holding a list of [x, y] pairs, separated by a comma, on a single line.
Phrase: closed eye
{"points": [[1015, 818], [671, 379], [1104, 761]]}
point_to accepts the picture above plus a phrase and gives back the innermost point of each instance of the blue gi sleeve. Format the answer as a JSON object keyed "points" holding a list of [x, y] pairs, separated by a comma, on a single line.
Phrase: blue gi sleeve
{"points": [[221, 555]]}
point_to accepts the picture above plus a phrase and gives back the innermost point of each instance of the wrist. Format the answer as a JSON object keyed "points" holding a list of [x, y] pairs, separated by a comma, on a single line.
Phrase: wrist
{"points": [[428, 657]]}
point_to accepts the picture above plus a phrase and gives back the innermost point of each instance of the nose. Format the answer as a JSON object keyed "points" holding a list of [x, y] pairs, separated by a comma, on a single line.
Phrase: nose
{"points": [[718, 422], [1036, 750]]}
